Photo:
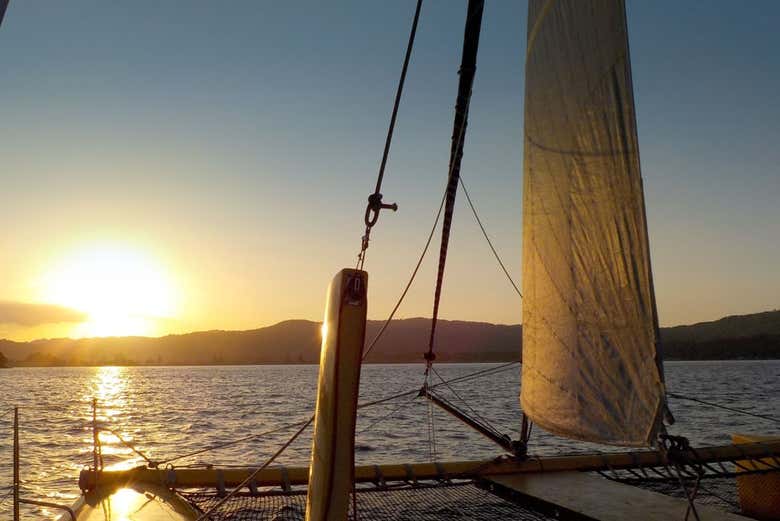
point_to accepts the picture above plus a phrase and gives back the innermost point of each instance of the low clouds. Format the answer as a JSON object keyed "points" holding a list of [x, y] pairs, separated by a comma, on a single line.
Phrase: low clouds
{"points": [[25, 314]]}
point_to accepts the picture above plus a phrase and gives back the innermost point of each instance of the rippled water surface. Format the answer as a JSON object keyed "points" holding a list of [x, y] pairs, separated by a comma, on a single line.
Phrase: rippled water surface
{"points": [[168, 411]]}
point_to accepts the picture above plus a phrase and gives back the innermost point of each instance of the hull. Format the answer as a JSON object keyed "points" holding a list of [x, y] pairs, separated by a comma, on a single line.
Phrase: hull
{"points": [[137, 501]]}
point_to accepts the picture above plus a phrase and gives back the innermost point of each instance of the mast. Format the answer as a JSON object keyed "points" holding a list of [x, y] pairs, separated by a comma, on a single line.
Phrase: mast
{"points": [[468, 68]]}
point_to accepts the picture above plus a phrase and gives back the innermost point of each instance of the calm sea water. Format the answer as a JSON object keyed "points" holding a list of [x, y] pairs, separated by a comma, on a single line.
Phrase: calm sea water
{"points": [[168, 411]]}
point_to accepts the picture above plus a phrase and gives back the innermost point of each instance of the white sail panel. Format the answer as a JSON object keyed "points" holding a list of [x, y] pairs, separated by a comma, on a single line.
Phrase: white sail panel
{"points": [[590, 366]]}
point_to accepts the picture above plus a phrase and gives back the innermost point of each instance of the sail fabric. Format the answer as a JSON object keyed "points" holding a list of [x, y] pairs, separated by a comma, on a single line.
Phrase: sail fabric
{"points": [[590, 365]]}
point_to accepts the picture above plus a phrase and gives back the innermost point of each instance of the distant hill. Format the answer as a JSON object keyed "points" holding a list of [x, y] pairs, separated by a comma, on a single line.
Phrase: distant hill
{"points": [[738, 336], [298, 341], [736, 326], [291, 341]]}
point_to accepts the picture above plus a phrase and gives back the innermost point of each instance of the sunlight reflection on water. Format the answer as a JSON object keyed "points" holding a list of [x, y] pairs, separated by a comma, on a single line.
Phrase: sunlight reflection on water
{"points": [[167, 411]]}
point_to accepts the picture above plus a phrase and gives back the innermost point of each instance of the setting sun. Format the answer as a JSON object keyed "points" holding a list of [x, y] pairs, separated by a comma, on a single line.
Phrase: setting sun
{"points": [[123, 291]]}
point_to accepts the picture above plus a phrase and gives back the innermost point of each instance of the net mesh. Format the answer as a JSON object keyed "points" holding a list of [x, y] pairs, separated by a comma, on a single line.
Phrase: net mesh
{"points": [[462, 501], [712, 485], [719, 492], [725, 485]]}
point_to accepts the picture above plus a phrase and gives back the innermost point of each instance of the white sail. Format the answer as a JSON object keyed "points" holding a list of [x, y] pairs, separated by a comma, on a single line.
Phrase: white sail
{"points": [[590, 365]]}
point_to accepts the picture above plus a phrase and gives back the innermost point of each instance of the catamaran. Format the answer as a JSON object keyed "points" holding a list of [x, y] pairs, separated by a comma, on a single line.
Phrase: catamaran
{"points": [[591, 355]]}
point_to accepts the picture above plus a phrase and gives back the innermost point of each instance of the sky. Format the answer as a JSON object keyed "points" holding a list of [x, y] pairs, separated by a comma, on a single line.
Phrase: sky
{"points": [[177, 166]]}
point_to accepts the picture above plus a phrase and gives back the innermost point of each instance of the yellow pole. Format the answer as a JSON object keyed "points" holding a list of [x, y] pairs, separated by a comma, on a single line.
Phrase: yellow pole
{"points": [[331, 475]]}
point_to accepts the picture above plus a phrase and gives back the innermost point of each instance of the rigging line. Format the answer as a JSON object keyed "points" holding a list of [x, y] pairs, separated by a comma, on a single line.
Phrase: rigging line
{"points": [[398, 93], [452, 408], [487, 238], [256, 472], [732, 409], [428, 424], [433, 428], [477, 374], [459, 397], [431, 438], [408, 284], [504, 441], [481, 418], [387, 416], [7, 495], [465, 84], [422, 255], [387, 399], [126, 443], [419, 261], [375, 205], [483, 372], [235, 442]]}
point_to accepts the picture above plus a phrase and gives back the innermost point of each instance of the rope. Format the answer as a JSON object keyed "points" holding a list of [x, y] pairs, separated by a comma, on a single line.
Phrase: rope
{"points": [[482, 372], [431, 433], [732, 409], [487, 238], [256, 472], [235, 442], [481, 418], [385, 417], [408, 284], [128, 444], [672, 447], [6, 496], [375, 200], [470, 376]]}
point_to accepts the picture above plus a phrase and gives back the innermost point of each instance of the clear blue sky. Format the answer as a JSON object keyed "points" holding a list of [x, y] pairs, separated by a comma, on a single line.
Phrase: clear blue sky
{"points": [[237, 142]]}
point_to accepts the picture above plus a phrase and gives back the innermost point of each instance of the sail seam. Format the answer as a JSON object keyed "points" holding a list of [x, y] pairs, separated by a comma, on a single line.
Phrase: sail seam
{"points": [[537, 25]]}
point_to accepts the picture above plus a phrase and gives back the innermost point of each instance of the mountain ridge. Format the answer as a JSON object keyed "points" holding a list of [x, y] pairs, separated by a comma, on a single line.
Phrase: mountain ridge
{"points": [[754, 335]]}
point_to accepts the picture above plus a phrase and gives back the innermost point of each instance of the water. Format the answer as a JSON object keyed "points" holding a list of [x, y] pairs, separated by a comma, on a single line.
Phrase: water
{"points": [[167, 411]]}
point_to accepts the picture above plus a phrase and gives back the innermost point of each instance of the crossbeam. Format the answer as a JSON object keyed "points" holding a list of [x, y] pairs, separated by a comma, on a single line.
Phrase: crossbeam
{"points": [[275, 476], [503, 441]]}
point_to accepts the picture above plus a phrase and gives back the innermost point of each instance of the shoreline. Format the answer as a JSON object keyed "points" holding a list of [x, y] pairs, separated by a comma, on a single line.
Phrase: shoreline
{"points": [[252, 364]]}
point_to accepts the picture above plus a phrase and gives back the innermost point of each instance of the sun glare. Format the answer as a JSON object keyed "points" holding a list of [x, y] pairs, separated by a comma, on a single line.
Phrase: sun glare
{"points": [[123, 291]]}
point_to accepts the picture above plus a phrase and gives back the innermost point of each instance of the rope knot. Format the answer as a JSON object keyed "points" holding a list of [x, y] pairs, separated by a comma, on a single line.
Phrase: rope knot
{"points": [[676, 444]]}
